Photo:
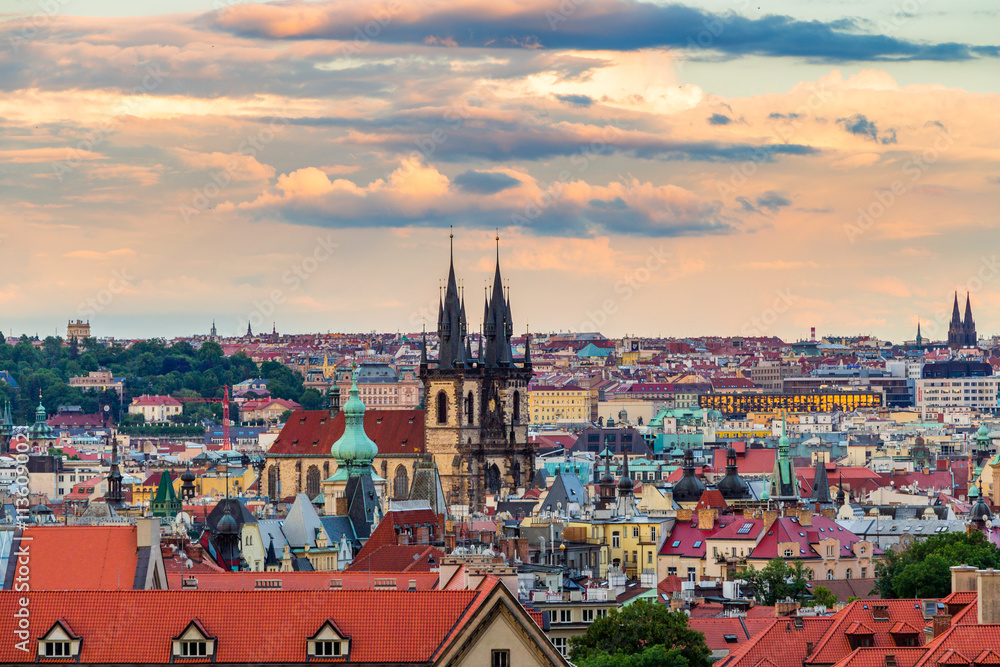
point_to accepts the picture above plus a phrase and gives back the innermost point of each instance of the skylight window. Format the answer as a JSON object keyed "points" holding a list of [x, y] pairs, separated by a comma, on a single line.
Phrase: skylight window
{"points": [[676, 544], [744, 529], [697, 544]]}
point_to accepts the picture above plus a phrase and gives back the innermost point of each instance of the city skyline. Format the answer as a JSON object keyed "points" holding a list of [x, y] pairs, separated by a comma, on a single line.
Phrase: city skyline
{"points": [[722, 166]]}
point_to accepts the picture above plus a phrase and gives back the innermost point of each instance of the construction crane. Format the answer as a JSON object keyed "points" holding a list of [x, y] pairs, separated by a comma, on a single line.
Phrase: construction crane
{"points": [[226, 442]]}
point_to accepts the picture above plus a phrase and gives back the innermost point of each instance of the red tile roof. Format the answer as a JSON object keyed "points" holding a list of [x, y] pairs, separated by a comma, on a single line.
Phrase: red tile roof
{"points": [[398, 558], [299, 581], [312, 432], [750, 462], [782, 644], [859, 617], [249, 626], [716, 630], [81, 558], [711, 498], [686, 535], [788, 529], [155, 400], [385, 534], [875, 657]]}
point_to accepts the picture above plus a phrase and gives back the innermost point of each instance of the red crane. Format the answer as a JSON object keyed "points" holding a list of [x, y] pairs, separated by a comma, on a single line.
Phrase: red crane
{"points": [[226, 442]]}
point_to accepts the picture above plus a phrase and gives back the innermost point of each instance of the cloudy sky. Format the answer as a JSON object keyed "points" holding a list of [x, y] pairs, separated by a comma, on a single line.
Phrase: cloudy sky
{"points": [[720, 167]]}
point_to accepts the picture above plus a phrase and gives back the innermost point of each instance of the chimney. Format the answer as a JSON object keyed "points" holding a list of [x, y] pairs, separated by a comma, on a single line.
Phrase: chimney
{"points": [[988, 589], [805, 517], [785, 608], [963, 578], [941, 624], [147, 532], [706, 518], [683, 515], [770, 516], [412, 586], [189, 584]]}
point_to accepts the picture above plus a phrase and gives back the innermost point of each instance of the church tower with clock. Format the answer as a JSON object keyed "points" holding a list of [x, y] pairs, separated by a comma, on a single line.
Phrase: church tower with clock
{"points": [[476, 406]]}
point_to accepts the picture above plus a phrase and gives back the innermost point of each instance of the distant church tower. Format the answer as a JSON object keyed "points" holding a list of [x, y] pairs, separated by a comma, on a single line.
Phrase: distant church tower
{"points": [[476, 409], [962, 333]]}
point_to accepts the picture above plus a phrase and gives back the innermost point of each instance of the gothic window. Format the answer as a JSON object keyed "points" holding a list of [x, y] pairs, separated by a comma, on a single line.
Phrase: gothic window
{"points": [[442, 408], [470, 403], [312, 482], [401, 484], [517, 406], [272, 481], [326, 469]]}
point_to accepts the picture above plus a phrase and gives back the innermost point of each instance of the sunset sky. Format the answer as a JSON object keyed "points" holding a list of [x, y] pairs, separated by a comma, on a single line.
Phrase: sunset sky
{"points": [[721, 167]]}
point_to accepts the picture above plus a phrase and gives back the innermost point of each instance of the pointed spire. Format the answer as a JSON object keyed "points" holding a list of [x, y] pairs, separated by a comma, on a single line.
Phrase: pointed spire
{"points": [[249, 330], [955, 316], [527, 348]]}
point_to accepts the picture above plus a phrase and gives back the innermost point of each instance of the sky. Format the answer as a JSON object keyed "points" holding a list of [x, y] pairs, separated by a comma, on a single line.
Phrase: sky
{"points": [[724, 167]]}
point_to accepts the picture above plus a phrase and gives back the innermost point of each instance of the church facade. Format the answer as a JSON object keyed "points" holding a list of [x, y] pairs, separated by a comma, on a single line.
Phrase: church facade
{"points": [[962, 332], [476, 407]]}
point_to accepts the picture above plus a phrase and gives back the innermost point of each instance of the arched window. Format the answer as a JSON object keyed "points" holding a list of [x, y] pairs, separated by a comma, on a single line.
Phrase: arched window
{"points": [[847, 575], [272, 481], [829, 574], [442, 408], [401, 483], [312, 482], [517, 406], [470, 404]]}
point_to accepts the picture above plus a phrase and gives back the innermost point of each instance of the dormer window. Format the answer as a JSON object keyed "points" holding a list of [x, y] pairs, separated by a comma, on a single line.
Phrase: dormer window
{"points": [[329, 642], [194, 642], [59, 642]]}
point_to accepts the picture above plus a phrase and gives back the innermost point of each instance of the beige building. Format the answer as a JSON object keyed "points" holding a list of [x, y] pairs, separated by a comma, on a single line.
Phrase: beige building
{"points": [[155, 409], [79, 330], [553, 405], [98, 381], [381, 387]]}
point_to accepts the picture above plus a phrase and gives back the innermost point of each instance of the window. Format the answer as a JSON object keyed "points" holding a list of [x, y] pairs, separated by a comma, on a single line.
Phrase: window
{"points": [[671, 571], [829, 574], [588, 615], [602, 613], [501, 658], [788, 553], [327, 648], [57, 649], [616, 540], [864, 573], [560, 644], [649, 557], [635, 557], [442, 408], [565, 615], [691, 574], [635, 531], [652, 533], [194, 648], [847, 575]]}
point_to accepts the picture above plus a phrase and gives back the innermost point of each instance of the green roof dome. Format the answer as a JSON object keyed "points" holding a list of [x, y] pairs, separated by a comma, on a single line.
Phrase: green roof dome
{"points": [[354, 448], [40, 430]]}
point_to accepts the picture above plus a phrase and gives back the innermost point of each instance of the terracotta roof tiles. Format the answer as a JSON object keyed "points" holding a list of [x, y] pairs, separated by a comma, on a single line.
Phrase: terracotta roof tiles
{"points": [[312, 432]]}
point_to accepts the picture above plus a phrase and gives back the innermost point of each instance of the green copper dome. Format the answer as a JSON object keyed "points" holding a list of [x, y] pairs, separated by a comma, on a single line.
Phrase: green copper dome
{"points": [[766, 494], [354, 448], [40, 430]]}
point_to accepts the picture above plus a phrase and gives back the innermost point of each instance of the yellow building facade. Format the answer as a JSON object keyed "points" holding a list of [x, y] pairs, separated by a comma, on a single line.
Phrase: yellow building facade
{"points": [[547, 405]]}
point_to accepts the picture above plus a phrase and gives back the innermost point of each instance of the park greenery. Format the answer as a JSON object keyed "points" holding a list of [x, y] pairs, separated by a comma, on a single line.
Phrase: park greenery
{"points": [[642, 634], [923, 569], [776, 581], [147, 367]]}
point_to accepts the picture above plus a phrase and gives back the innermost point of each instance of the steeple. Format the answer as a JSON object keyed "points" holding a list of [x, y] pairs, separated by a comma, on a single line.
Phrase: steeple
{"points": [[785, 485], [354, 448], [920, 339], [249, 330], [527, 349], [450, 319], [841, 496], [114, 496], [821, 485], [498, 322], [968, 324], [213, 333]]}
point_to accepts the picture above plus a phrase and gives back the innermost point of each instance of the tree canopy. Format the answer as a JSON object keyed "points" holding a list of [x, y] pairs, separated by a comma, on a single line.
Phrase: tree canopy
{"points": [[922, 570], [149, 367], [642, 634], [776, 581]]}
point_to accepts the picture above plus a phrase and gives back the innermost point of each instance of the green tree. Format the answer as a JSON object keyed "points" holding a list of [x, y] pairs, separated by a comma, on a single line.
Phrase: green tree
{"points": [[628, 637], [311, 399], [824, 596], [922, 570], [776, 581]]}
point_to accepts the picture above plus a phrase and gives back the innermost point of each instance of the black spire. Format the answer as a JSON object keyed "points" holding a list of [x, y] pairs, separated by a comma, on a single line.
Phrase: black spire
{"points": [[498, 325], [968, 324], [841, 496], [527, 350], [450, 333], [114, 497], [821, 485], [249, 330]]}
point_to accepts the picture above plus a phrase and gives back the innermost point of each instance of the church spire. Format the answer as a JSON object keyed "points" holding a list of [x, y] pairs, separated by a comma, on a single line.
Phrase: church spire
{"points": [[450, 333], [498, 326]]}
